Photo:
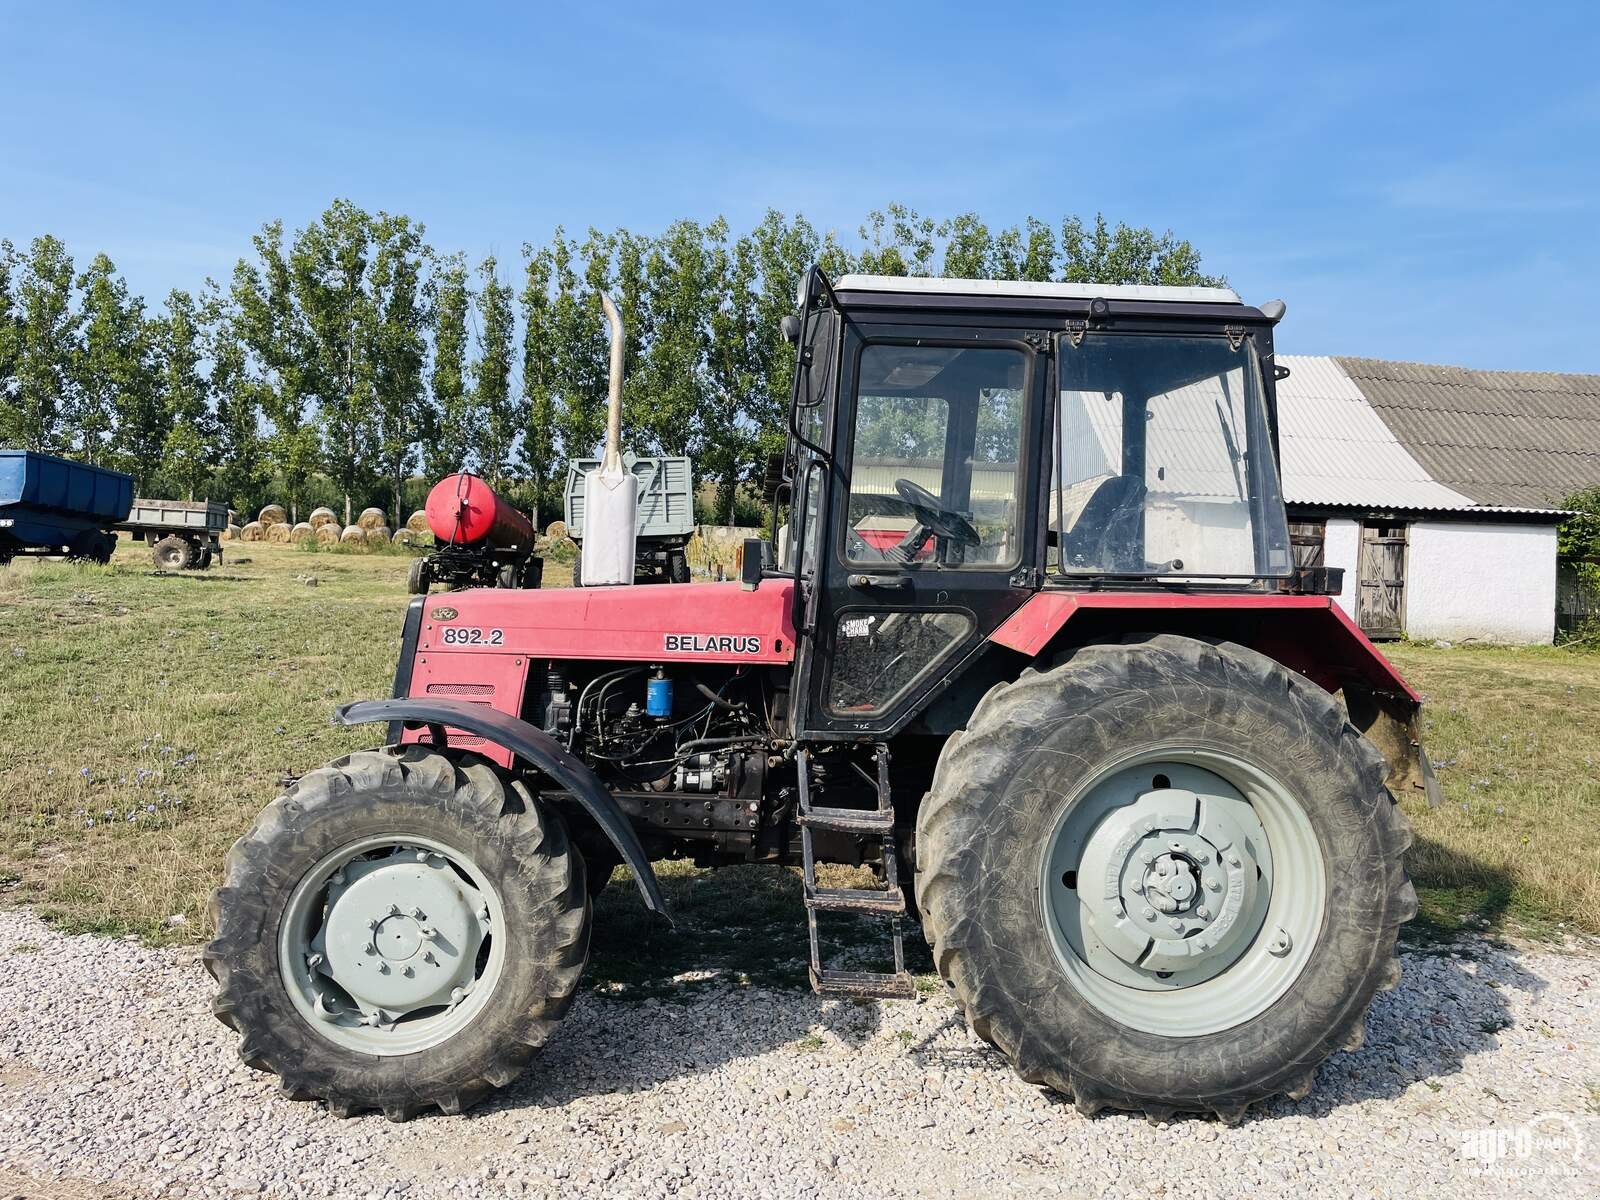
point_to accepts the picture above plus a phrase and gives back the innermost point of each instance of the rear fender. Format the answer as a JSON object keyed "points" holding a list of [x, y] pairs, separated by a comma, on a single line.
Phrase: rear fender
{"points": [[1308, 634], [534, 747]]}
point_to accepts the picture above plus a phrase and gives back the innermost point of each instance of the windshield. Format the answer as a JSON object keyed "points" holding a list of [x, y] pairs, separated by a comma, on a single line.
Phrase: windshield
{"points": [[1164, 466]]}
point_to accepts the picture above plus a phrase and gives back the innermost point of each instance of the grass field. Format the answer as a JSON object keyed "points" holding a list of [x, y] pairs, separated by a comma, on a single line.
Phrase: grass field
{"points": [[144, 718]]}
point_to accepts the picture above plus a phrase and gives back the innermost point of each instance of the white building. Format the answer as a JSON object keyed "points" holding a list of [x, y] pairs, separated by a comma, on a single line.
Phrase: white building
{"points": [[1435, 488]]}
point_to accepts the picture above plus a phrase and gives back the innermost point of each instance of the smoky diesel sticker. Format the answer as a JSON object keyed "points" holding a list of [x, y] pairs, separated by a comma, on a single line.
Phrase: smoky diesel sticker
{"points": [[712, 643]]}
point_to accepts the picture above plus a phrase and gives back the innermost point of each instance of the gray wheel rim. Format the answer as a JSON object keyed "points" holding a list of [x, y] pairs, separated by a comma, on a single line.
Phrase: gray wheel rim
{"points": [[388, 944], [1183, 890]]}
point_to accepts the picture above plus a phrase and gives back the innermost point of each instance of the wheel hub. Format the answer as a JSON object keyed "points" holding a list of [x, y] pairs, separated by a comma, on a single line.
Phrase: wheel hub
{"points": [[1173, 886], [1182, 890], [402, 933]]}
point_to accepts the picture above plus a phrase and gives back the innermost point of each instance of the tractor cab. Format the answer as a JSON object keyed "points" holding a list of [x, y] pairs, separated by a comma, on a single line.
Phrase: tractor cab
{"points": [[958, 445]]}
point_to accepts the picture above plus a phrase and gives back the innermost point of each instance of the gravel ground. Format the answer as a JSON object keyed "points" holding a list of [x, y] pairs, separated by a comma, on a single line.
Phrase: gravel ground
{"points": [[116, 1081]]}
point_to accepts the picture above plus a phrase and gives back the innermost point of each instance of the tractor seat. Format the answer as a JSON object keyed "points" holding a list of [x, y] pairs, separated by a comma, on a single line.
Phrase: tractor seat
{"points": [[1106, 533]]}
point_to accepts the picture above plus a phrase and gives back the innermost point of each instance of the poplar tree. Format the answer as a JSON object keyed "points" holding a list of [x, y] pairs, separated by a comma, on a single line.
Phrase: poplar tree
{"points": [[328, 269], [43, 342], [451, 448], [497, 412], [191, 439], [540, 441], [270, 327], [397, 346]]}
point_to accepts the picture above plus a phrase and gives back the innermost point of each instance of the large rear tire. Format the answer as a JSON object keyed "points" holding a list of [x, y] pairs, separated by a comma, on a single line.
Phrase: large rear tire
{"points": [[1164, 875], [399, 930]]}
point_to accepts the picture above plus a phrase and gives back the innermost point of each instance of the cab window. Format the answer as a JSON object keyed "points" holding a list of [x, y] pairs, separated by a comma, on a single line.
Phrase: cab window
{"points": [[934, 457]]}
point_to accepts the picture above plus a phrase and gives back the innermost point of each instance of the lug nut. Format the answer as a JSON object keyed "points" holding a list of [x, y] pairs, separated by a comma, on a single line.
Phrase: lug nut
{"points": [[408, 970], [1233, 860], [427, 957], [1176, 924], [370, 948], [1203, 913], [1148, 913], [394, 910], [383, 968], [1213, 883], [418, 914]]}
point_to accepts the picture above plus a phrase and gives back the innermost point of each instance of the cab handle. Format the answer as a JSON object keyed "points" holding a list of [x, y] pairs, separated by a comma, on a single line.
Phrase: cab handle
{"points": [[897, 583]]}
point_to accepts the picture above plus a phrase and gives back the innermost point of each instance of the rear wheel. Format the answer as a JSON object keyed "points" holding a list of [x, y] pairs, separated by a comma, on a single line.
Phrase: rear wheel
{"points": [[1206, 882], [171, 553], [399, 930]]}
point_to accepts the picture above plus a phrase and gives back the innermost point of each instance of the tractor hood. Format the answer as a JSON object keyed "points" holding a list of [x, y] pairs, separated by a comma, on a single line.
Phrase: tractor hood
{"points": [[684, 622]]}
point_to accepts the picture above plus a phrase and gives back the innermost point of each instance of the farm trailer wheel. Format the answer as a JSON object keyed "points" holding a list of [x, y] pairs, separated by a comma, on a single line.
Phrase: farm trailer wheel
{"points": [[172, 553], [1163, 875], [399, 930], [419, 578]]}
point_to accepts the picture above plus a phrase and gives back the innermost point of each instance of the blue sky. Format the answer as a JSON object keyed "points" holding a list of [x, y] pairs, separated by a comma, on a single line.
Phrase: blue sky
{"points": [[1417, 181]]}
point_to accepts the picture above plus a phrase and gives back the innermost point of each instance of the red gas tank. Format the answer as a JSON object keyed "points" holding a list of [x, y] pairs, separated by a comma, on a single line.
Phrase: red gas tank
{"points": [[463, 510]]}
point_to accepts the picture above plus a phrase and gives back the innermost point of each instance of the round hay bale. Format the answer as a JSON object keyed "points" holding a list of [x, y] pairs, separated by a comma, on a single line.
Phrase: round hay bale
{"points": [[417, 522], [278, 532], [405, 537], [230, 534], [252, 532], [557, 531], [379, 536], [302, 532], [353, 535], [371, 518], [322, 516], [328, 535], [273, 514]]}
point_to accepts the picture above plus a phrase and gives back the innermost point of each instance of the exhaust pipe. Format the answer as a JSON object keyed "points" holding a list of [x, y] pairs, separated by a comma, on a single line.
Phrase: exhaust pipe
{"points": [[611, 460], [611, 494]]}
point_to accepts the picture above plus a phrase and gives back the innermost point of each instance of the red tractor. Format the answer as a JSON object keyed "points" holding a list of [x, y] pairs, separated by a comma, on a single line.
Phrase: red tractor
{"points": [[1033, 645]]}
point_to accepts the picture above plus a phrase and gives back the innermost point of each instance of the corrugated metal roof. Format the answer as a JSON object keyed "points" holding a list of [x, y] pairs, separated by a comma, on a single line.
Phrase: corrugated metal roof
{"points": [[1016, 287], [1511, 438], [1337, 451]]}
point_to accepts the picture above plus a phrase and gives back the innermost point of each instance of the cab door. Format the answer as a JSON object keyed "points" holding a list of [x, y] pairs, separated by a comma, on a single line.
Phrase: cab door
{"points": [[931, 537]]}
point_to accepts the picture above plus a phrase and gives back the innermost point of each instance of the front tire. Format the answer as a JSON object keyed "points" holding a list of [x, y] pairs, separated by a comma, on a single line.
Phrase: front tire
{"points": [[1163, 876], [490, 933]]}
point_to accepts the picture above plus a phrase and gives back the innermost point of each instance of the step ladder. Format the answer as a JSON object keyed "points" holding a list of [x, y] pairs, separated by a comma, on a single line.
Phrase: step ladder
{"points": [[888, 901]]}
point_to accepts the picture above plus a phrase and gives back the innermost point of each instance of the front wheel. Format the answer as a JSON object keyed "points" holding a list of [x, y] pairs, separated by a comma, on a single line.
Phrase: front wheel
{"points": [[400, 929], [1203, 877]]}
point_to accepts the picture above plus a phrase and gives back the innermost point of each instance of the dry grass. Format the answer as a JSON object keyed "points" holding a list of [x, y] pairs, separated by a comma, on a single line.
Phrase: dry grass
{"points": [[1514, 734], [145, 718]]}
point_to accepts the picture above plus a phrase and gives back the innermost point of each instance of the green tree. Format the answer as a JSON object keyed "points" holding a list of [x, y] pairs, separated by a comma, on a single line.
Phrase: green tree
{"points": [[451, 447], [271, 329], [117, 414], [10, 325], [398, 349], [540, 440], [240, 451], [1129, 255], [42, 345], [498, 412], [899, 241], [580, 361], [191, 438], [328, 270]]}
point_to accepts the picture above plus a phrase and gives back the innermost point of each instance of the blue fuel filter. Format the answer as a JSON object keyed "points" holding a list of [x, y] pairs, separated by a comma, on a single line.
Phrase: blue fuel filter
{"points": [[658, 695]]}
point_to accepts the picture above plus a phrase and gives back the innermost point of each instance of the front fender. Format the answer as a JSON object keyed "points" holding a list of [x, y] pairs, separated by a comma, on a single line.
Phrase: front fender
{"points": [[538, 749]]}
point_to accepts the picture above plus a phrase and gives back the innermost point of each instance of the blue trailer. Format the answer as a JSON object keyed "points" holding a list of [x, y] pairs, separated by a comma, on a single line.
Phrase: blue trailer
{"points": [[50, 505]]}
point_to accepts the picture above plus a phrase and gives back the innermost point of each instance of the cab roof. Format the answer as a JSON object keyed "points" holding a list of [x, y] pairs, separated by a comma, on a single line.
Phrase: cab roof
{"points": [[1025, 289]]}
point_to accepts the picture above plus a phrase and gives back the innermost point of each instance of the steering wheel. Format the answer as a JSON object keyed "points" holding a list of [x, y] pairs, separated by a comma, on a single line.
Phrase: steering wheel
{"points": [[929, 512]]}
